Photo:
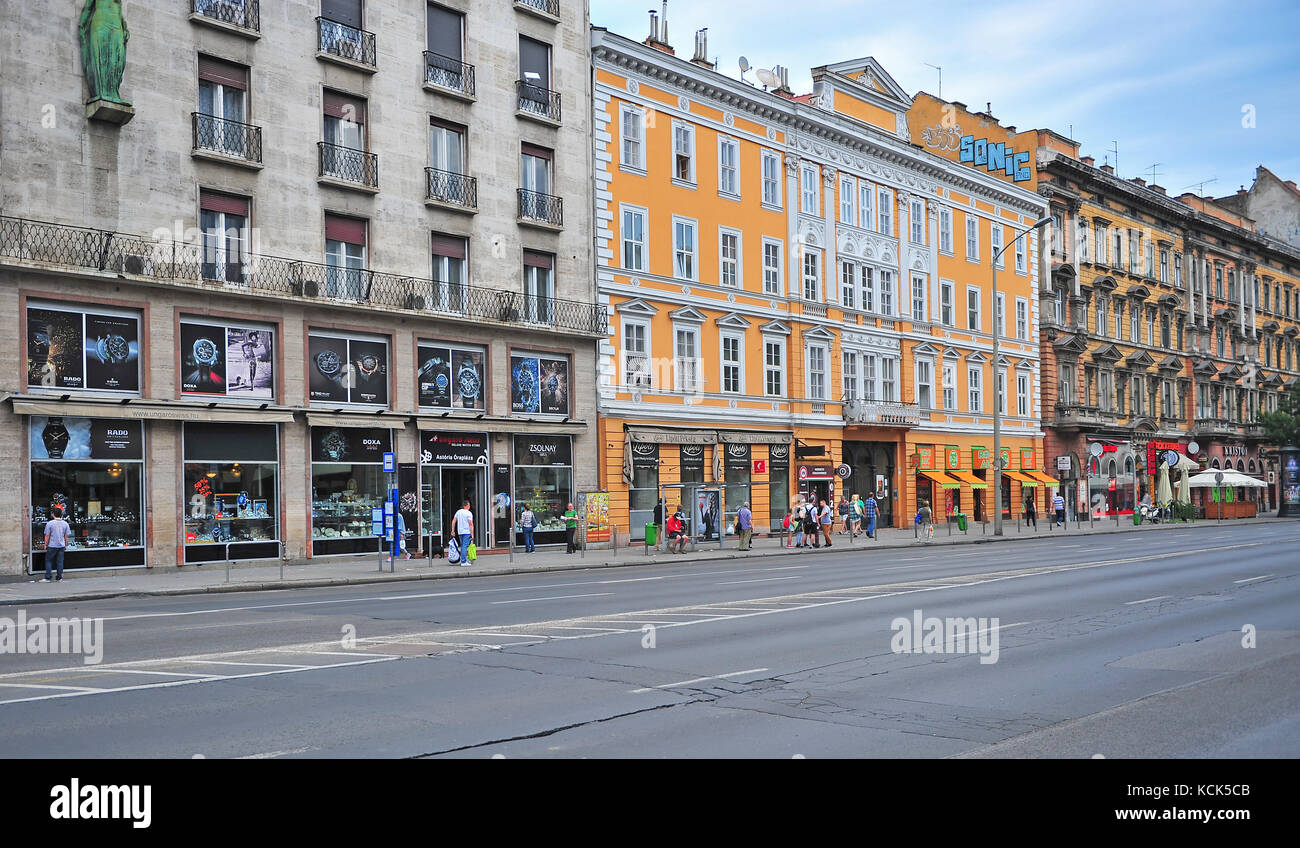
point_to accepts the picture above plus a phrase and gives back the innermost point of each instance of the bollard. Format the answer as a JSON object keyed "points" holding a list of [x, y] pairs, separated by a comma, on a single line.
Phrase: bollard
{"points": [[950, 527], [379, 553], [613, 540], [281, 561], [227, 562]]}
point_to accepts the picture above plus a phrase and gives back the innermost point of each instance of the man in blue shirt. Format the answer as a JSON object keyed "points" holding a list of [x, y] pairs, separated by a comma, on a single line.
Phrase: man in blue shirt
{"points": [[870, 508], [57, 533]]}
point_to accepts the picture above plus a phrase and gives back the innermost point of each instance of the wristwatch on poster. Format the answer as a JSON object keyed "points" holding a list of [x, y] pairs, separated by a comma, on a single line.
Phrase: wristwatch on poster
{"points": [[205, 352], [527, 384], [55, 437], [467, 380], [368, 364], [334, 445], [330, 365], [112, 349]]}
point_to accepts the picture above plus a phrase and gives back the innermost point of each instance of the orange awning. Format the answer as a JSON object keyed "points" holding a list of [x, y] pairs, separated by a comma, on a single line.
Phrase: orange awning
{"points": [[1021, 478], [1043, 477], [967, 477], [942, 479]]}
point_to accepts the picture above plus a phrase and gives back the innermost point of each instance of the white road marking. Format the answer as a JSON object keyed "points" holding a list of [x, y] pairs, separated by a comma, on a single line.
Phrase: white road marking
{"points": [[698, 680], [270, 755], [553, 598], [275, 606], [1253, 579], [1146, 600], [147, 671], [266, 665], [760, 580], [40, 686]]}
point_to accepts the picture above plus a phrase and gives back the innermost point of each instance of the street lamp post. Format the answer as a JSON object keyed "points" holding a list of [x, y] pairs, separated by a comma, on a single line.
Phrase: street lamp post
{"points": [[1000, 397]]}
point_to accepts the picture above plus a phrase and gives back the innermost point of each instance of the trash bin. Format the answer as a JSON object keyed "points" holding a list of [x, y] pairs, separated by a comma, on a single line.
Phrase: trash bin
{"points": [[1137, 517], [651, 535], [961, 521]]}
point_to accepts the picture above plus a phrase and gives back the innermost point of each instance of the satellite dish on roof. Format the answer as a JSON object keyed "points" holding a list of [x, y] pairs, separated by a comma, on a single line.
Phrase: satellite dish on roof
{"points": [[744, 66], [768, 78]]}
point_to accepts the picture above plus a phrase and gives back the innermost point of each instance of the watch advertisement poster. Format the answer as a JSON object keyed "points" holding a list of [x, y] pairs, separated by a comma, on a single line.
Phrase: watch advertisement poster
{"points": [[539, 385], [53, 437], [352, 445], [347, 370], [451, 377], [203, 359], [75, 350]]}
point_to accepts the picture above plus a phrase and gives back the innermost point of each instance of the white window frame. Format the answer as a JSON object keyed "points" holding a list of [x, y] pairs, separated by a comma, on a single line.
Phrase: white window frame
{"points": [[772, 274], [626, 209], [885, 290], [947, 290], [823, 352], [945, 231], [920, 299], [996, 235], [867, 288], [923, 373], [738, 271], [643, 379], [950, 384], [885, 211], [1103, 248], [975, 388], [690, 180], [979, 309], [1022, 393], [849, 374], [972, 237], [848, 284], [729, 188], [1002, 315], [870, 379], [772, 199], [889, 379], [1083, 235], [809, 189], [848, 201], [813, 277], [1022, 319], [679, 361], [693, 254], [771, 343], [916, 221], [636, 162], [866, 204], [738, 364], [1001, 389], [1019, 250]]}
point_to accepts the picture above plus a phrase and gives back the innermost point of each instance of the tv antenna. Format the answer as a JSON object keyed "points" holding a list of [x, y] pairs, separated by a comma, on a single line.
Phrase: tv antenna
{"points": [[1152, 169], [940, 70], [767, 78], [744, 66], [1200, 186], [1114, 148]]}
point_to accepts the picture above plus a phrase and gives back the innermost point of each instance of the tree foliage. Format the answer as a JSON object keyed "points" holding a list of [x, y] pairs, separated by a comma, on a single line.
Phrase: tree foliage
{"points": [[1282, 428]]}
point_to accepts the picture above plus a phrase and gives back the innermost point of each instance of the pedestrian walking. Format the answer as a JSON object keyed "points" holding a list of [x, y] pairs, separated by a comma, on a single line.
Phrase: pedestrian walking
{"points": [[1031, 511], [571, 529], [869, 509], [843, 510], [827, 518], [926, 516], [1058, 506], [527, 522], [57, 533], [401, 538], [462, 524], [855, 516], [796, 523], [745, 520]]}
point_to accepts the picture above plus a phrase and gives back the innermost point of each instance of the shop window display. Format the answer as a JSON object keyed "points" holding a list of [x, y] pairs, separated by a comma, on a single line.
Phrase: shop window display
{"points": [[230, 502], [347, 483]]}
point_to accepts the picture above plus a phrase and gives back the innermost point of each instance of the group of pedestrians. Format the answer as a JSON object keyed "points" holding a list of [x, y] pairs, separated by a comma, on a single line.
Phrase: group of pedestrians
{"points": [[809, 521]]}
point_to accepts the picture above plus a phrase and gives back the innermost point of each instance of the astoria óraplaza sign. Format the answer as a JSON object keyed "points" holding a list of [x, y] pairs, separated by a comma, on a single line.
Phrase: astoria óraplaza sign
{"points": [[995, 156]]}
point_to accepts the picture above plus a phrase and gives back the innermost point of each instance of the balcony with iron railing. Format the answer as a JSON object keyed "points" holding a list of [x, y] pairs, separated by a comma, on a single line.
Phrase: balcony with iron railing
{"points": [[548, 9], [226, 139], [98, 254], [449, 189], [239, 15], [537, 102], [354, 47], [448, 75], [880, 413], [538, 209], [349, 167]]}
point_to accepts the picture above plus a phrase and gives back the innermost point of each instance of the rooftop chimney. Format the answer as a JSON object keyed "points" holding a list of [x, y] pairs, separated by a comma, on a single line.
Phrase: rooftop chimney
{"points": [[701, 56], [1158, 189], [1138, 181], [659, 32], [1088, 160], [1291, 183], [1109, 169], [654, 27]]}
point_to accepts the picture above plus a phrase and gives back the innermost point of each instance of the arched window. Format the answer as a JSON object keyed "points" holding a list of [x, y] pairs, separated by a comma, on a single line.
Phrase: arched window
{"points": [[1214, 463], [1241, 466], [1250, 466], [1110, 468], [1128, 466]]}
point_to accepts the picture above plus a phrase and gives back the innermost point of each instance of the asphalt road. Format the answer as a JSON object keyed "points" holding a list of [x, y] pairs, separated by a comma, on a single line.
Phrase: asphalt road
{"points": [[1121, 646]]}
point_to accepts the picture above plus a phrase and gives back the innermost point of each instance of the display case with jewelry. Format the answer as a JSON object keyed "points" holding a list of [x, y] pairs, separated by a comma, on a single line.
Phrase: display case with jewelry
{"points": [[95, 523], [230, 502]]}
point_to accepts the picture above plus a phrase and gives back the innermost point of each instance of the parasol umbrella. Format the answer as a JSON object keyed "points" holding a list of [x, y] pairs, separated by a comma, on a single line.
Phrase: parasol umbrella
{"points": [[1184, 489], [1164, 494]]}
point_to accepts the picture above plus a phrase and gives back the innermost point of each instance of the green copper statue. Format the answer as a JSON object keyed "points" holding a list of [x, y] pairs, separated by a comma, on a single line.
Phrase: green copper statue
{"points": [[103, 48]]}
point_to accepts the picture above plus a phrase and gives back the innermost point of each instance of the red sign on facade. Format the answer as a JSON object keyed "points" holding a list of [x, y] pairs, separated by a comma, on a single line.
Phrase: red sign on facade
{"points": [[1154, 449], [760, 466], [981, 458]]}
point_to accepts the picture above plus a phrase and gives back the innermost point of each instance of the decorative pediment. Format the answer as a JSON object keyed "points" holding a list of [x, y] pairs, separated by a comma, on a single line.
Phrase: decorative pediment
{"points": [[925, 348], [1227, 313], [1106, 283], [1076, 344], [638, 306], [1063, 272], [818, 334], [688, 314], [1272, 381], [1171, 300], [1291, 383], [950, 353], [1003, 362], [1231, 371], [1291, 332], [1140, 359], [733, 320], [1107, 353], [1171, 363], [1269, 327], [774, 328], [1024, 365], [1205, 368], [1140, 292], [976, 356], [1145, 425]]}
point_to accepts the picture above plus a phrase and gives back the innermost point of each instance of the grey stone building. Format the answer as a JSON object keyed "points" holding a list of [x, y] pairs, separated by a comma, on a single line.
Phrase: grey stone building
{"points": [[294, 236], [1272, 203]]}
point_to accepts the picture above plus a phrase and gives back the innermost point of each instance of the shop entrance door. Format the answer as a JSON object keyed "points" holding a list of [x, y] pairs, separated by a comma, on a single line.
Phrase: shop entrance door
{"points": [[460, 485]]}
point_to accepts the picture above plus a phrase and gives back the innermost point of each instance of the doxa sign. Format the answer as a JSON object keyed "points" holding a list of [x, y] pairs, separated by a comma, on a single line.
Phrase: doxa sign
{"points": [[995, 156]]}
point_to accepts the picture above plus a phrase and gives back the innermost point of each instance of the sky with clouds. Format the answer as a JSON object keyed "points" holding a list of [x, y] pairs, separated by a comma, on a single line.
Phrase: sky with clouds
{"points": [[1167, 82]]}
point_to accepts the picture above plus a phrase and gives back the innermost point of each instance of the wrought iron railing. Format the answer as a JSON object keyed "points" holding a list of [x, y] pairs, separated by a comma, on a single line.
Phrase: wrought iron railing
{"points": [[535, 100], [550, 7], [544, 208], [240, 13], [229, 138], [79, 249], [346, 42], [453, 188], [446, 72], [348, 163]]}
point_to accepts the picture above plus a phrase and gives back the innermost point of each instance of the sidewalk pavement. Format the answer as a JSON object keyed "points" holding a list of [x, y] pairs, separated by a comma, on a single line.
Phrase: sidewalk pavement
{"points": [[216, 577]]}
